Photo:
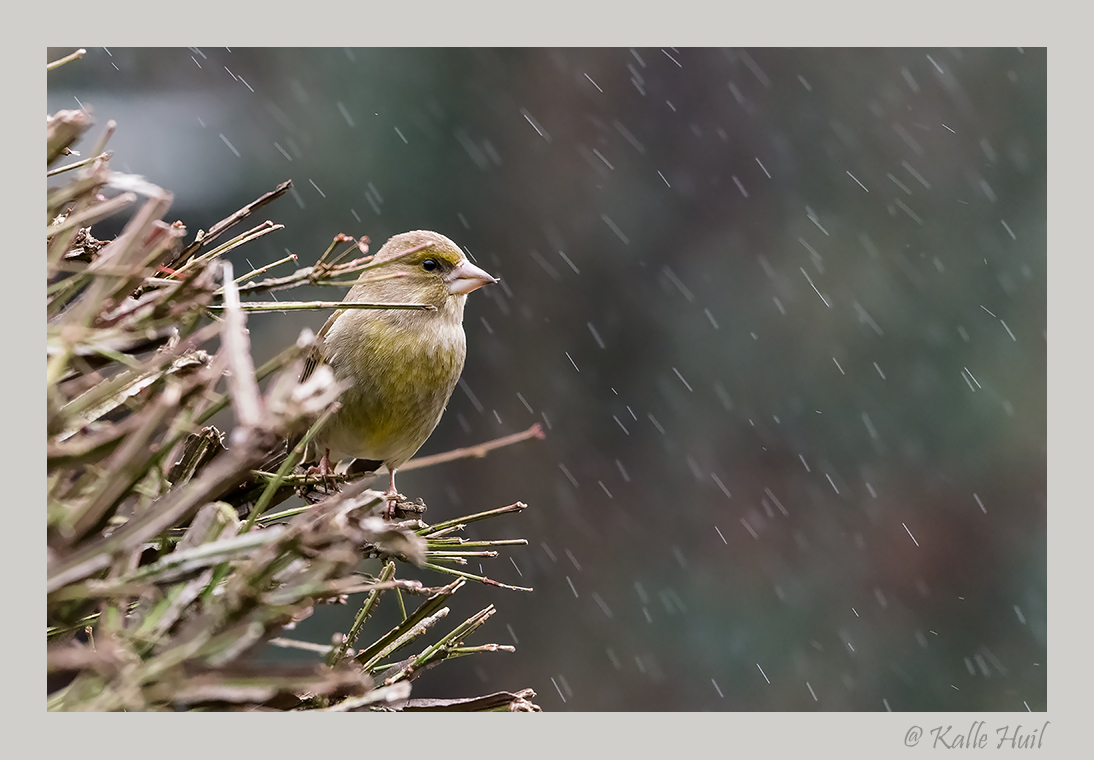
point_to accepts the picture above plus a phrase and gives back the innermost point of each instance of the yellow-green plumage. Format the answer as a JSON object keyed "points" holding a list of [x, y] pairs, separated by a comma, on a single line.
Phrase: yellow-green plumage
{"points": [[402, 365], [402, 379]]}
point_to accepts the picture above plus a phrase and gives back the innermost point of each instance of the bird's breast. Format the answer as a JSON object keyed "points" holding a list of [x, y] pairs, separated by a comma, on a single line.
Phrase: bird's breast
{"points": [[401, 379]]}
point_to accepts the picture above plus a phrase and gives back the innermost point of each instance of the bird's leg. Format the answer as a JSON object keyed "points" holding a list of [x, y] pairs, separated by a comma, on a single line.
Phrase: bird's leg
{"points": [[323, 469], [392, 495]]}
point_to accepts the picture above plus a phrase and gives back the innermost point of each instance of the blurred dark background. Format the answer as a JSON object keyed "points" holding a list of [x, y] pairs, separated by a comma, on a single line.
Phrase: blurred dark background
{"points": [[781, 312]]}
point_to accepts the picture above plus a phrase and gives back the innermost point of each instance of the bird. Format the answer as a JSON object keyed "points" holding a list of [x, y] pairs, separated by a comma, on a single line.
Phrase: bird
{"points": [[399, 366]]}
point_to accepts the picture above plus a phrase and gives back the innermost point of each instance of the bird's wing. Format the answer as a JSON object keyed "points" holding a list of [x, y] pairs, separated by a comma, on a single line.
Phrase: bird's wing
{"points": [[315, 356]]}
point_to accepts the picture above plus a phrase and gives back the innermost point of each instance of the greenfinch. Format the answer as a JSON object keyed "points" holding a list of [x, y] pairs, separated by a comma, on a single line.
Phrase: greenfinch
{"points": [[400, 365]]}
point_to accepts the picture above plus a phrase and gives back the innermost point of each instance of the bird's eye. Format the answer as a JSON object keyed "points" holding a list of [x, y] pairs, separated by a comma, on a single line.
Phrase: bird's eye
{"points": [[429, 265]]}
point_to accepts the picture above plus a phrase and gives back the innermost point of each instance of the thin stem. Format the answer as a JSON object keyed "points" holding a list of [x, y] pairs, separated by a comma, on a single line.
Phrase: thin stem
{"points": [[255, 272], [514, 507], [251, 234], [285, 468], [460, 651], [417, 630], [307, 646], [478, 450], [339, 654], [284, 513], [347, 252], [77, 165], [62, 61], [469, 576], [300, 305], [442, 542], [441, 649], [450, 555], [339, 238]]}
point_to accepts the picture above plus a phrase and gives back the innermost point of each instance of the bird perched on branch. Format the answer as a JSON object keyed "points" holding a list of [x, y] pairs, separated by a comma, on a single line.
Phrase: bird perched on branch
{"points": [[401, 364]]}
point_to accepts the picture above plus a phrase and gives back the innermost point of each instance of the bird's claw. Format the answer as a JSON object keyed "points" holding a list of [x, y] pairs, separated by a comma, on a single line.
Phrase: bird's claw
{"points": [[393, 498], [323, 470]]}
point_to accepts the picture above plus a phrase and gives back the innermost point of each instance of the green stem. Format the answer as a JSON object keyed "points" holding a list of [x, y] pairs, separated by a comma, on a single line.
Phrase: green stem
{"points": [[306, 305], [77, 165], [255, 272], [339, 654], [479, 578], [285, 468], [516, 507], [445, 542], [62, 61]]}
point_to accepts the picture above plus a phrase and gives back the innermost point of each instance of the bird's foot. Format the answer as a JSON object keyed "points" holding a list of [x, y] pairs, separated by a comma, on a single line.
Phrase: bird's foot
{"points": [[324, 470], [393, 497]]}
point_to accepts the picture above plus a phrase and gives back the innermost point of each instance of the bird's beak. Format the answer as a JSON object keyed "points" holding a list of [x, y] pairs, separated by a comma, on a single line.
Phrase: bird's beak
{"points": [[468, 277]]}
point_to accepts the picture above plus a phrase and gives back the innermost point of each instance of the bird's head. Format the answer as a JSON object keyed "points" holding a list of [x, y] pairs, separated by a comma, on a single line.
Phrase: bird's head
{"points": [[421, 267]]}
